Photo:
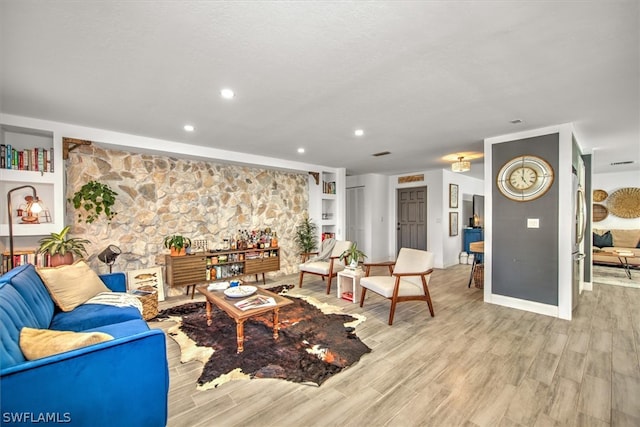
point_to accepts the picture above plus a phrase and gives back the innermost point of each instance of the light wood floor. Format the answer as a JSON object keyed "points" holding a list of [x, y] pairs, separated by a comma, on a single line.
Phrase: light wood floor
{"points": [[473, 364]]}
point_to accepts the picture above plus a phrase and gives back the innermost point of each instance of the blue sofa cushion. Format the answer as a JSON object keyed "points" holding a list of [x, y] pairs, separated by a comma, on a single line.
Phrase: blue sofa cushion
{"points": [[89, 316], [24, 302], [124, 329], [603, 241], [27, 282]]}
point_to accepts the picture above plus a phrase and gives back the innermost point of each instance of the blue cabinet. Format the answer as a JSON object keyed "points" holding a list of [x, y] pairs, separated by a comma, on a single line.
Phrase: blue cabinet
{"points": [[472, 235]]}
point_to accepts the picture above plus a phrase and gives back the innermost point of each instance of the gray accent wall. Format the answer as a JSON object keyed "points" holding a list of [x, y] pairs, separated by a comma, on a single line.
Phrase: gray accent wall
{"points": [[525, 260]]}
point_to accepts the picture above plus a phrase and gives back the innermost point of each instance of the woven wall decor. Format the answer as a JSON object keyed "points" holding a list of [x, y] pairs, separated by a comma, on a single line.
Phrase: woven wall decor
{"points": [[600, 212], [625, 203], [599, 195]]}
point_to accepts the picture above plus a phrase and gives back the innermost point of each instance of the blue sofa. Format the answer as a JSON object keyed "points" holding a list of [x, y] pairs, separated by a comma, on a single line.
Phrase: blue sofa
{"points": [[121, 382]]}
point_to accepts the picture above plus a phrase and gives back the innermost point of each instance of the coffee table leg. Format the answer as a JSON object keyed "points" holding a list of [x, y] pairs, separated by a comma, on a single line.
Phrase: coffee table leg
{"points": [[625, 265], [276, 323], [240, 335], [209, 321]]}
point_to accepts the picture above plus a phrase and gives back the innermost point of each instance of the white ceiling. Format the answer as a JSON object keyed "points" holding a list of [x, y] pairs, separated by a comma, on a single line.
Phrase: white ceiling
{"points": [[425, 80]]}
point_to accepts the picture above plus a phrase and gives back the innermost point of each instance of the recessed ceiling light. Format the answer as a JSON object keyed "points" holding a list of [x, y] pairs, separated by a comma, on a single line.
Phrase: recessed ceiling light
{"points": [[358, 132], [300, 150], [189, 128], [227, 93], [515, 121]]}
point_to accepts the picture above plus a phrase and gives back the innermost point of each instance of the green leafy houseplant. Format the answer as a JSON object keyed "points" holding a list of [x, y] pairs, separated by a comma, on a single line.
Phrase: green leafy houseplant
{"points": [[62, 248], [306, 235], [95, 199], [177, 244], [353, 255]]}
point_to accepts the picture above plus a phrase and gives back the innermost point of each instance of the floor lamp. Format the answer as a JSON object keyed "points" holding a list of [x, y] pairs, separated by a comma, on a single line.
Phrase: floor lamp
{"points": [[34, 206]]}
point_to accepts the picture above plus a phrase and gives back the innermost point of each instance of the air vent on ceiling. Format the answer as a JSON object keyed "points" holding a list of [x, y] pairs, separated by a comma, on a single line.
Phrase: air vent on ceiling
{"points": [[382, 153], [626, 162]]}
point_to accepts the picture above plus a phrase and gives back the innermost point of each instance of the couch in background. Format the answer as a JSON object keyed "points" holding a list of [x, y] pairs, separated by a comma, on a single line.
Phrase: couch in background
{"points": [[609, 240], [118, 382]]}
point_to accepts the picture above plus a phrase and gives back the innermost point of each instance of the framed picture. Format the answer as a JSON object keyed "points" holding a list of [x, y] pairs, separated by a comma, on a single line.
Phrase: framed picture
{"points": [[453, 196], [453, 223], [147, 277]]}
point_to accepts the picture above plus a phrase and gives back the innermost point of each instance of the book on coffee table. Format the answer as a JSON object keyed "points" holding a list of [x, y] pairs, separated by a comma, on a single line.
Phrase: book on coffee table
{"points": [[255, 301]]}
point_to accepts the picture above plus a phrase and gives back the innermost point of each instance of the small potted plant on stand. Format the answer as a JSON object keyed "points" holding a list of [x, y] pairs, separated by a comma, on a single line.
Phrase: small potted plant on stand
{"points": [[353, 256], [62, 249], [177, 244]]}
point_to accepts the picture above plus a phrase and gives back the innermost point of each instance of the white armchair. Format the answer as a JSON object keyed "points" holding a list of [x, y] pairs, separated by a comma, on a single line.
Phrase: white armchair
{"points": [[326, 268], [408, 281]]}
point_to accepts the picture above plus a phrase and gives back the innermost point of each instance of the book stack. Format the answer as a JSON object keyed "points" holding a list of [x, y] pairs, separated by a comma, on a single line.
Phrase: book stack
{"points": [[29, 159]]}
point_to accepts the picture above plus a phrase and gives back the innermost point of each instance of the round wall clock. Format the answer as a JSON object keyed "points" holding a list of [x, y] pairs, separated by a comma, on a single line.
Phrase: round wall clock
{"points": [[525, 178]]}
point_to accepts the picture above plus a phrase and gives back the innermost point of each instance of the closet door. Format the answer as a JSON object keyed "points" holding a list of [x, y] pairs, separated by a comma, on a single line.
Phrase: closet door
{"points": [[356, 218]]}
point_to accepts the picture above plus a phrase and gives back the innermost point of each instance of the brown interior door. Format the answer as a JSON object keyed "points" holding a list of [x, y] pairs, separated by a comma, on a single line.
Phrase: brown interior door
{"points": [[412, 218]]}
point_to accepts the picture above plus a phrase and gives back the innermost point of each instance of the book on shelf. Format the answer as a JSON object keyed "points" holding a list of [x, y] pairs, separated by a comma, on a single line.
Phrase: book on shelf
{"points": [[255, 301], [23, 257], [29, 159]]}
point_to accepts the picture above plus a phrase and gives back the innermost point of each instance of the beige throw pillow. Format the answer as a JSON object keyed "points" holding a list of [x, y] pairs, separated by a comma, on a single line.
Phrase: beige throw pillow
{"points": [[72, 285], [38, 343], [625, 238]]}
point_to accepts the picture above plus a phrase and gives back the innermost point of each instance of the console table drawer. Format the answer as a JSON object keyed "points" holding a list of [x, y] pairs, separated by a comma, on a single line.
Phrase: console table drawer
{"points": [[262, 265]]}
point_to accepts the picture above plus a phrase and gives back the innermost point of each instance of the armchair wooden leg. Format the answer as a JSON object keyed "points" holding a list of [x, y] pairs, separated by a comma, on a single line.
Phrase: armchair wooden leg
{"points": [[363, 291], [301, 276], [393, 310], [329, 284]]}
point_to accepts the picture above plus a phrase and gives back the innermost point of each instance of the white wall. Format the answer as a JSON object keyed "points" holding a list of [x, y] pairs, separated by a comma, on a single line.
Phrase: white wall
{"points": [[611, 182], [375, 243], [453, 245]]}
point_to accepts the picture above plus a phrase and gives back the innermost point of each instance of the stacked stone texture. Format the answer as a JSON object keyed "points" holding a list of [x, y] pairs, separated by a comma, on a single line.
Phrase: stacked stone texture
{"points": [[160, 196]]}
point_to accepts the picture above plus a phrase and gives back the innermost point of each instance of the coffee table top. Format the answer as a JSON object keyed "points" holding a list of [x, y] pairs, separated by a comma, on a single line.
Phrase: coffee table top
{"points": [[227, 304]]}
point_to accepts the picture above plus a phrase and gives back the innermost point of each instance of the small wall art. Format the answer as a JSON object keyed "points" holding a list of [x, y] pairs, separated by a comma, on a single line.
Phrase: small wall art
{"points": [[453, 196], [147, 277], [453, 223]]}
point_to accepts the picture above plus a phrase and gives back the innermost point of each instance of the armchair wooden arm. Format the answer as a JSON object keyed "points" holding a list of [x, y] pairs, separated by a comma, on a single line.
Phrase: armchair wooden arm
{"points": [[388, 264], [422, 273], [305, 255]]}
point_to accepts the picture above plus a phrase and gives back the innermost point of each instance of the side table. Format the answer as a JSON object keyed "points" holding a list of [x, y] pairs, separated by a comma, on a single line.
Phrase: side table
{"points": [[354, 276]]}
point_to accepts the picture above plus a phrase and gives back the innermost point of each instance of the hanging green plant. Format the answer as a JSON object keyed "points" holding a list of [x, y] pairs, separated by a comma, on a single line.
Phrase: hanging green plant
{"points": [[94, 199]]}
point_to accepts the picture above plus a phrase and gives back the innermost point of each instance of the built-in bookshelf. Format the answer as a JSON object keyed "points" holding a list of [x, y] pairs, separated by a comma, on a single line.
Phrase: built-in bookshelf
{"points": [[30, 157], [22, 258]]}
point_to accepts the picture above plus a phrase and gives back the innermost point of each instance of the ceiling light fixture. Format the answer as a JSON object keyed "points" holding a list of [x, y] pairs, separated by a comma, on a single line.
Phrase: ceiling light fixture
{"points": [[227, 93], [461, 165], [301, 150], [358, 132], [189, 128], [515, 121]]}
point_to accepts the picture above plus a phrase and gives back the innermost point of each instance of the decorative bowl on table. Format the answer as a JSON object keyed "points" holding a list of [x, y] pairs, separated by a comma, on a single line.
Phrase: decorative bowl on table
{"points": [[240, 291]]}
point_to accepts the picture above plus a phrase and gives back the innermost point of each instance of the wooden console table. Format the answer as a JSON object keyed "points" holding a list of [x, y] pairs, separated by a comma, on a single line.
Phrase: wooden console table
{"points": [[190, 270]]}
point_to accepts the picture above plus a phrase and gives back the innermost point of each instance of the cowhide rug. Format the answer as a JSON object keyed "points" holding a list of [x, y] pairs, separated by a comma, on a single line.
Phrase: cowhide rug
{"points": [[316, 342]]}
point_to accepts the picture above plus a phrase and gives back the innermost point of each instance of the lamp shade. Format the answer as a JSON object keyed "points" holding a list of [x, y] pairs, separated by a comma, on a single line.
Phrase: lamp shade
{"points": [[109, 255]]}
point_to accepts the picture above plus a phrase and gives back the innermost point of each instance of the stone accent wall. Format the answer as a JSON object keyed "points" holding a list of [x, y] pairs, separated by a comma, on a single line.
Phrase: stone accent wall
{"points": [[159, 196]]}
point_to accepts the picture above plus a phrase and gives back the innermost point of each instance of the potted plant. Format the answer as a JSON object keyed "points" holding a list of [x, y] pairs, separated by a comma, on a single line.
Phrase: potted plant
{"points": [[177, 244], [306, 235], [94, 199], [61, 249], [353, 255]]}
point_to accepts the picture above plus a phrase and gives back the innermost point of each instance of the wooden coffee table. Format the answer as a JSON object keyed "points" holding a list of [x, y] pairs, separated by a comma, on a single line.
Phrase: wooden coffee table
{"points": [[220, 300]]}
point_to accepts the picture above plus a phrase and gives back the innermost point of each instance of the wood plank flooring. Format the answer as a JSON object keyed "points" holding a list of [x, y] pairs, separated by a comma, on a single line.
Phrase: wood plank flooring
{"points": [[473, 364]]}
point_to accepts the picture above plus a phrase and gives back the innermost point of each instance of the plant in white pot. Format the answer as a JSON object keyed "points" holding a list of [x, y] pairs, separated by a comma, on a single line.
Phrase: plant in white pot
{"points": [[353, 255], [62, 248]]}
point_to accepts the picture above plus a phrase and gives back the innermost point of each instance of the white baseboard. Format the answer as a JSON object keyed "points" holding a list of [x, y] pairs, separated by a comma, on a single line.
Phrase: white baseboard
{"points": [[587, 286], [520, 304]]}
